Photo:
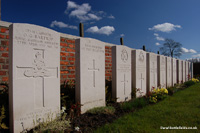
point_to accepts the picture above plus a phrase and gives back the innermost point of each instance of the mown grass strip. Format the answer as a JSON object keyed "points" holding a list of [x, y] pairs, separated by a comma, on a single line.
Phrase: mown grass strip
{"points": [[181, 109]]}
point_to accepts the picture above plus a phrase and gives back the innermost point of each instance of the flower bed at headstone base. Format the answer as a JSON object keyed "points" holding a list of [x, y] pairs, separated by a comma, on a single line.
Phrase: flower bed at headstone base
{"points": [[90, 121]]}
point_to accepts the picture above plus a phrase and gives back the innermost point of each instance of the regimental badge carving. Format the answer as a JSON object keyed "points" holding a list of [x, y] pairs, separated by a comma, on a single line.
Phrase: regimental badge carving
{"points": [[39, 68], [124, 55], [141, 56]]}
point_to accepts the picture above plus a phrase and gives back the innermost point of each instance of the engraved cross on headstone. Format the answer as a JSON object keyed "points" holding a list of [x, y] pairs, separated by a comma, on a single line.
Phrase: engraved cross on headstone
{"points": [[141, 80], [94, 70], [38, 72], [124, 83]]}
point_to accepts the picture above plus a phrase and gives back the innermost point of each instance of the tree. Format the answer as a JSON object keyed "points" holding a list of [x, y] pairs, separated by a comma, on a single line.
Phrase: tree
{"points": [[171, 48]]}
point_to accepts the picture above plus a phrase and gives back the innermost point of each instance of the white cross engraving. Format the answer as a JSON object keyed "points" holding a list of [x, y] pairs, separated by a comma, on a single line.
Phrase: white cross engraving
{"points": [[94, 70], [141, 80], [39, 72], [124, 83]]}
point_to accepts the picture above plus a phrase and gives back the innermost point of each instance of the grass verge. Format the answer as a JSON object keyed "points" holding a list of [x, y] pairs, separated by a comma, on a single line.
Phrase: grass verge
{"points": [[181, 109]]}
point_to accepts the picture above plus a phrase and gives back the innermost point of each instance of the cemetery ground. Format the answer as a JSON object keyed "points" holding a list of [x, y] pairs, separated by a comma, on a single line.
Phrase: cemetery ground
{"points": [[139, 115]]}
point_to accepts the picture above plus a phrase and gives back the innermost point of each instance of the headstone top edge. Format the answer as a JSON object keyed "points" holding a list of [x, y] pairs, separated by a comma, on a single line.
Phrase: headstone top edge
{"points": [[33, 25]]}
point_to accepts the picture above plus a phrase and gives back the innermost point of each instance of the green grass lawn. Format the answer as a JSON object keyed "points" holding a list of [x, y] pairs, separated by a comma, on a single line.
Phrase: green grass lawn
{"points": [[181, 109]]}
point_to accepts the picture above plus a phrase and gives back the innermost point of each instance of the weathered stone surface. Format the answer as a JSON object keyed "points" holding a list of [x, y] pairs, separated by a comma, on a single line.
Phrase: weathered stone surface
{"points": [[90, 73], [139, 72], [121, 73], [179, 71], [186, 71], [34, 75], [169, 71], [174, 71], [162, 71], [151, 71], [184, 75]]}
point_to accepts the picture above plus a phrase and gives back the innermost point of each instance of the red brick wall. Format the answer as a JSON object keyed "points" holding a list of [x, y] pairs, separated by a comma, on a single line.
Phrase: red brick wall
{"points": [[108, 63], [67, 58], [4, 41]]}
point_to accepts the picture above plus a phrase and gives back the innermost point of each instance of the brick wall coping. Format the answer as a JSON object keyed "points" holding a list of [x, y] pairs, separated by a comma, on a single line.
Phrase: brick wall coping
{"points": [[5, 24]]}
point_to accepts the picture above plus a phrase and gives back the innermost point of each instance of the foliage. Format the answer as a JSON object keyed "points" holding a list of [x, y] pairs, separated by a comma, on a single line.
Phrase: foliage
{"points": [[136, 103], [140, 102], [171, 48], [126, 106], [181, 109], [2, 116], [158, 94], [58, 125], [68, 94], [108, 92], [170, 91], [4, 106], [102, 110], [75, 110], [189, 83]]}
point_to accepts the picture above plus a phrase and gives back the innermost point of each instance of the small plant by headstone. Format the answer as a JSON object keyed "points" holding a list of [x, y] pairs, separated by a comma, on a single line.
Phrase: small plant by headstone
{"points": [[102, 110], [2, 116]]}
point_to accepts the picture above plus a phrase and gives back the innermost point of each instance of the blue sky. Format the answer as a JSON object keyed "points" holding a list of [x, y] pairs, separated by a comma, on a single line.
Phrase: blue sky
{"points": [[139, 22]]}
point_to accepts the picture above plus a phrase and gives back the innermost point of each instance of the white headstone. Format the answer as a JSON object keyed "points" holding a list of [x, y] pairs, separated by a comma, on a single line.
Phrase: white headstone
{"points": [[184, 75], [151, 71], [161, 71], [34, 73], [186, 71], [189, 70], [139, 71], [169, 71], [121, 73], [179, 71], [90, 73], [174, 71]]}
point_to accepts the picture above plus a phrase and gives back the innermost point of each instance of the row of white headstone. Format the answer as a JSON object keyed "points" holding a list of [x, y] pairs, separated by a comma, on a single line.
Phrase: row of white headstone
{"points": [[34, 70]]}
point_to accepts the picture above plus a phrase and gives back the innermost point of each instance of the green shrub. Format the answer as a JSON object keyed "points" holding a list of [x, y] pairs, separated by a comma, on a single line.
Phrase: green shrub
{"points": [[136, 103], [170, 91], [189, 83], [126, 106], [140, 102], [102, 110]]}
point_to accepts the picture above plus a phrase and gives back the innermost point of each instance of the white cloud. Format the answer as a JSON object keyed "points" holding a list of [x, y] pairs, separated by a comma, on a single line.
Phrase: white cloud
{"points": [[84, 12], [196, 56], [106, 30], [192, 51], [71, 5], [81, 12], [111, 17], [122, 35], [62, 25], [93, 16], [165, 27], [155, 34], [157, 44], [158, 37]]}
